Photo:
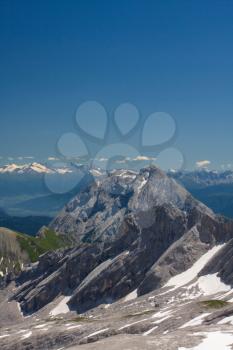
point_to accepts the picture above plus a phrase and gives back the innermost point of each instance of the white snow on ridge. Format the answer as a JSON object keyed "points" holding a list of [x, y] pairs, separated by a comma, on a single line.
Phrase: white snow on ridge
{"points": [[97, 332], [231, 300], [27, 335], [40, 326], [95, 172], [74, 327], [142, 184], [36, 167], [4, 336], [39, 168], [150, 331], [132, 324], [19, 308], [162, 314], [131, 296], [63, 171], [160, 320], [61, 308], [187, 276], [10, 168], [126, 174]]}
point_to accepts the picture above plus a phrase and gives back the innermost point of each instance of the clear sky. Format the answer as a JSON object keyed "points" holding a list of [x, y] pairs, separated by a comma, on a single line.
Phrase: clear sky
{"points": [[161, 55]]}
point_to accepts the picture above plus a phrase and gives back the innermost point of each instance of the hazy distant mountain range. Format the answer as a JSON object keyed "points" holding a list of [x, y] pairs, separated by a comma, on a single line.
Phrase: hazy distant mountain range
{"points": [[32, 168], [26, 202], [193, 178], [23, 189], [203, 178], [214, 188]]}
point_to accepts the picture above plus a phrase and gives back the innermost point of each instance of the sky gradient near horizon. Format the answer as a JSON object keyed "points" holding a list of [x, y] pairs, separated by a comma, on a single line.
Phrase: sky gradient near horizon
{"points": [[169, 56]]}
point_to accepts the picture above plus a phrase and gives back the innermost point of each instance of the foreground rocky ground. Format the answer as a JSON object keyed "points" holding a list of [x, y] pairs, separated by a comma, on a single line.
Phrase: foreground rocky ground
{"points": [[166, 319]]}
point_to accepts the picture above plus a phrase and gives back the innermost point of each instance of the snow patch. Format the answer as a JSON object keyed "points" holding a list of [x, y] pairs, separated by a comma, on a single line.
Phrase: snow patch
{"points": [[212, 284], [4, 336], [162, 314], [132, 324], [160, 320], [95, 172], [97, 332], [142, 184], [22, 331], [27, 335], [131, 296], [73, 327], [187, 276], [40, 326], [127, 174], [197, 321], [19, 308], [230, 301], [61, 308], [214, 341], [150, 331]]}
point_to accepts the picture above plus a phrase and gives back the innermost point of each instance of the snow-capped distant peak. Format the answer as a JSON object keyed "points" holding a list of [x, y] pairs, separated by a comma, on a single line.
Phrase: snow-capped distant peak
{"points": [[39, 168], [96, 172], [63, 171], [173, 171], [25, 168], [33, 168], [10, 168]]}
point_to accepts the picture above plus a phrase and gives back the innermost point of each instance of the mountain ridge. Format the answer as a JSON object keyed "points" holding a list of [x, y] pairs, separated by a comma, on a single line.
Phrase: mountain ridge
{"points": [[131, 220]]}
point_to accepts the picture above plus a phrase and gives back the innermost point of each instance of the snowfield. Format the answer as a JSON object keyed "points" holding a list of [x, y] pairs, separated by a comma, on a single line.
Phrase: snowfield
{"points": [[61, 308], [196, 321], [214, 341], [187, 276], [131, 296]]}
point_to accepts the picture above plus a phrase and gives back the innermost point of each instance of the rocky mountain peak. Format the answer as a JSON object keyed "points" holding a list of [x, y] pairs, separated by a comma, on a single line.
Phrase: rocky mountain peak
{"points": [[128, 231], [101, 207]]}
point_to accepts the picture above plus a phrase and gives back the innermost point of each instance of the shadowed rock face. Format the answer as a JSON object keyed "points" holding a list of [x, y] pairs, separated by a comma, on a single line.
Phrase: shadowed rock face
{"points": [[129, 231]]}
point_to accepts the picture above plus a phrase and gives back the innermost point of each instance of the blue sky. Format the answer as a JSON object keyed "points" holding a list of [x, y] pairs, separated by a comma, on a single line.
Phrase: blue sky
{"points": [[162, 56]]}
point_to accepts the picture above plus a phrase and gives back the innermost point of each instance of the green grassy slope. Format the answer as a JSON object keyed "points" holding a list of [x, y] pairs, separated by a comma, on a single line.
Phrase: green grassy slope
{"points": [[35, 246], [18, 249]]}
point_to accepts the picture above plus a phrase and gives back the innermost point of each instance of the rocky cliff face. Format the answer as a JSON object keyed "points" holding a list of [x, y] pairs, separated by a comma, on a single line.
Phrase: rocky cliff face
{"points": [[98, 211], [129, 231]]}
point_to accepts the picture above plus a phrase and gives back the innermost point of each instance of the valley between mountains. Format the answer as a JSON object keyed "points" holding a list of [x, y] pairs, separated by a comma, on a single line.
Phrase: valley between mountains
{"points": [[133, 261]]}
